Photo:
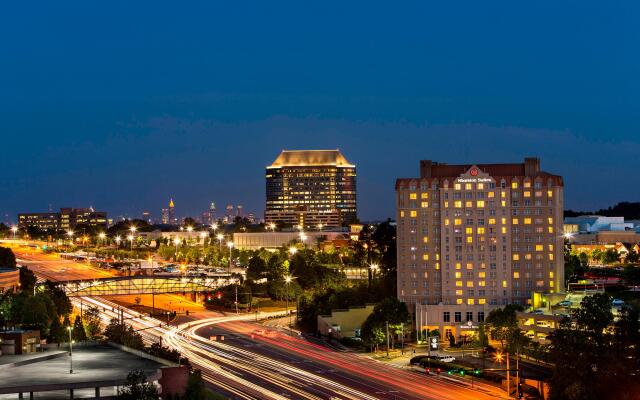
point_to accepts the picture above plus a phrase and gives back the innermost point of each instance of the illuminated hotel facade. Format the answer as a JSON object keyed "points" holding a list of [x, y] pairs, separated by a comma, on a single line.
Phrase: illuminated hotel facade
{"points": [[472, 238], [311, 188], [66, 219]]}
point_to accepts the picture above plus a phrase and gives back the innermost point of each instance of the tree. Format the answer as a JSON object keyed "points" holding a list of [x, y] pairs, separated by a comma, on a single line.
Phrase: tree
{"points": [[594, 357], [136, 387], [632, 257], [372, 336], [7, 258], [56, 332], [27, 279], [257, 268], [195, 387], [502, 320], [123, 334], [59, 298], [92, 323], [391, 311], [79, 334]]}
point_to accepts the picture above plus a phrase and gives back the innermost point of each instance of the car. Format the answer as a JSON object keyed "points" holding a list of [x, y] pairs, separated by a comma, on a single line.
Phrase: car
{"points": [[564, 303], [538, 311], [617, 302]]}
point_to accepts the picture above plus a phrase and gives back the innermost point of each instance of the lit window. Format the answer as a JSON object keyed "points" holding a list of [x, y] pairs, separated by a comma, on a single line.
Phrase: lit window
{"points": [[480, 230], [468, 204], [446, 204], [492, 221], [481, 301], [425, 257], [550, 247], [424, 195], [539, 247], [458, 275], [470, 302], [551, 229], [491, 195], [527, 194], [469, 266], [503, 194], [414, 214], [504, 229], [402, 213], [527, 184], [514, 185], [459, 292], [457, 186], [425, 239], [480, 203], [458, 265], [527, 221], [551, 274], [457, 204], [504, 284], [469, 239], [458, 301], [550, 256], [413, 196], [459, 283], [457, 221], [516, 257], [469, 283], [549, 193], [514, 221], [446, 221], [480, 186], [503, 203], [550, 220], [482, 274], [425, 204], [468, 186], [469, 230], [550, 283], [516, 275]]}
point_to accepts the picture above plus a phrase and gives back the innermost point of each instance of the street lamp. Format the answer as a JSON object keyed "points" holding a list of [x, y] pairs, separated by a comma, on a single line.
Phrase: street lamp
{"points": [[131, 237], [230, 244], [272, 226], [203, 235], [303, 237], [70, 350], [102, 236], [293, 250], [176, 241], [70, 234], [214, 226], [287, 280], [220, 236], [320, 226], [14, 229], [118, 240]]}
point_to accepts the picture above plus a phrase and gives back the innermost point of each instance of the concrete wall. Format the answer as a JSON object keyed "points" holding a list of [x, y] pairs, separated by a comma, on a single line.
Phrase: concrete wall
{"points": [[343, 323]]}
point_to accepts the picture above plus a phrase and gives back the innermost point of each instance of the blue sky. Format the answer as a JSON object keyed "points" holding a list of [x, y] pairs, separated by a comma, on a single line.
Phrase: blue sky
{"points": [[121, 105]]}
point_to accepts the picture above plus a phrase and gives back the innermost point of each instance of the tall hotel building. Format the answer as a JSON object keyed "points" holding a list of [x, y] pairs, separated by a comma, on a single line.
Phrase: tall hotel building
{"points": [[311, 187], [472, 238]]}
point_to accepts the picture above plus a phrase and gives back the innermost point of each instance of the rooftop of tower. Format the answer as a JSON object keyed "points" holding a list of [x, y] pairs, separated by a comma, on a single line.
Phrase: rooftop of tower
{"points": [[303, 158]]}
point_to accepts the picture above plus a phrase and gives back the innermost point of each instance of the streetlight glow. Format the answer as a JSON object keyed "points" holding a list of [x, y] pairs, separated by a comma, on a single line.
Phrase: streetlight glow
{"points": [[102, 235], [189, 229], [292, 250]]}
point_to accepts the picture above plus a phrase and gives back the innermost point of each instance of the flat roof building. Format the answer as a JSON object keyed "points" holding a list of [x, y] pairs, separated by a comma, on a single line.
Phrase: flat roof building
{"points": [[475, 237], [68, 218], [311, 188]]}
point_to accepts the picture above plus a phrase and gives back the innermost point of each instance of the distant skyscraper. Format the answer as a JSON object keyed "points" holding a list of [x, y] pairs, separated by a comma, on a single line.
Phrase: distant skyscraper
{"points": [[311, 187], [239, 210], [172, 213], [251, 218], [165, 216], [209, 216], [229, 213], [146, 216]]}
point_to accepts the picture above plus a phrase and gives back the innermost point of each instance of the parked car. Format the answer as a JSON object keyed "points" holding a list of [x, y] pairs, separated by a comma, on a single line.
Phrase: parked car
{"points": [[538, 311], [564, 303], [617, 302]]}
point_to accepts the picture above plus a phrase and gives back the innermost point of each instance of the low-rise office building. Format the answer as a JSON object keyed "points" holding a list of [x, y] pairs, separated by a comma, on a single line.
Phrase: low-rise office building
{"points": [[9, 279], [66, 219], [274, 240], [19, 342]]}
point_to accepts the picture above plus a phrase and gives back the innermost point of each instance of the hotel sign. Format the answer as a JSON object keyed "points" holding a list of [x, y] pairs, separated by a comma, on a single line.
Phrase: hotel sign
{"points": [[474, 175]]}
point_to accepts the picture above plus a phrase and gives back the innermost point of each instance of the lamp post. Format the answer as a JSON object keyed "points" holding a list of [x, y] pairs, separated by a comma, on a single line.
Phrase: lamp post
{"points": [[230, 245], [101, 237], [203, 236], [293, 250], [70, 234], [133, 230], [130, 238], [287, 280], [70, 350], [176, 241], [272, 226], [220, 237], [14, 229], [189, 230], [374, 268], [214, 226]]}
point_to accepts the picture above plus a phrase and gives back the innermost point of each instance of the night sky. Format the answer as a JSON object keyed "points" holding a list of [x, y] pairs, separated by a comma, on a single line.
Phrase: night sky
{"points": [[121, 105]]}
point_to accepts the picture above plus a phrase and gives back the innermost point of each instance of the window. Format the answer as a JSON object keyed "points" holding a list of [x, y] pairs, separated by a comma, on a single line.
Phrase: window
{"points": [[458, 316], [481, 313], [514, 221], [480, 203], [457, 186], [414, 214], [469, 315], [413, 196], [457, 204], [424, 204], [516, 275], [514, 185], [446, 316], [468, 186]]}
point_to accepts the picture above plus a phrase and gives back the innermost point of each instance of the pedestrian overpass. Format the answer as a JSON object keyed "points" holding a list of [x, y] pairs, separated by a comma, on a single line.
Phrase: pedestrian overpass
{"points": [[142, 285]]}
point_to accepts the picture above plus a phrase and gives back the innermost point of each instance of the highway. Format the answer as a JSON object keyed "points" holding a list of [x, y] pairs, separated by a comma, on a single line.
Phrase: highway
{"points": [[255, 362]]}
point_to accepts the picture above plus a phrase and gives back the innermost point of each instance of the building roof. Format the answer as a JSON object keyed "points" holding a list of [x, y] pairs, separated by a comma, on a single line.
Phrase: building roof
{"points": [[303, 158]]}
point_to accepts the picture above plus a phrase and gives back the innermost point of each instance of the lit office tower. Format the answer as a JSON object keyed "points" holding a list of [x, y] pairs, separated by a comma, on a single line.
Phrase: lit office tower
{"points": [[209, 215], [311, 187], [172, 213], [165, 216], [229, 212], [475, 237], [239, 210]]}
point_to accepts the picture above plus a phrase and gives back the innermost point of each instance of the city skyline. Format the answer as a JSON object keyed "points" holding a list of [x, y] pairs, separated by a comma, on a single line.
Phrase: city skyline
{"points": [[124, 119]]}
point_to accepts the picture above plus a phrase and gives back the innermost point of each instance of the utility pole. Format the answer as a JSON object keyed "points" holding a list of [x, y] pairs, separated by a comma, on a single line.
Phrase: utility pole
{"points": [[387, 339], [236, 290], [518, 374], [508, 378], [402, 338]]}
